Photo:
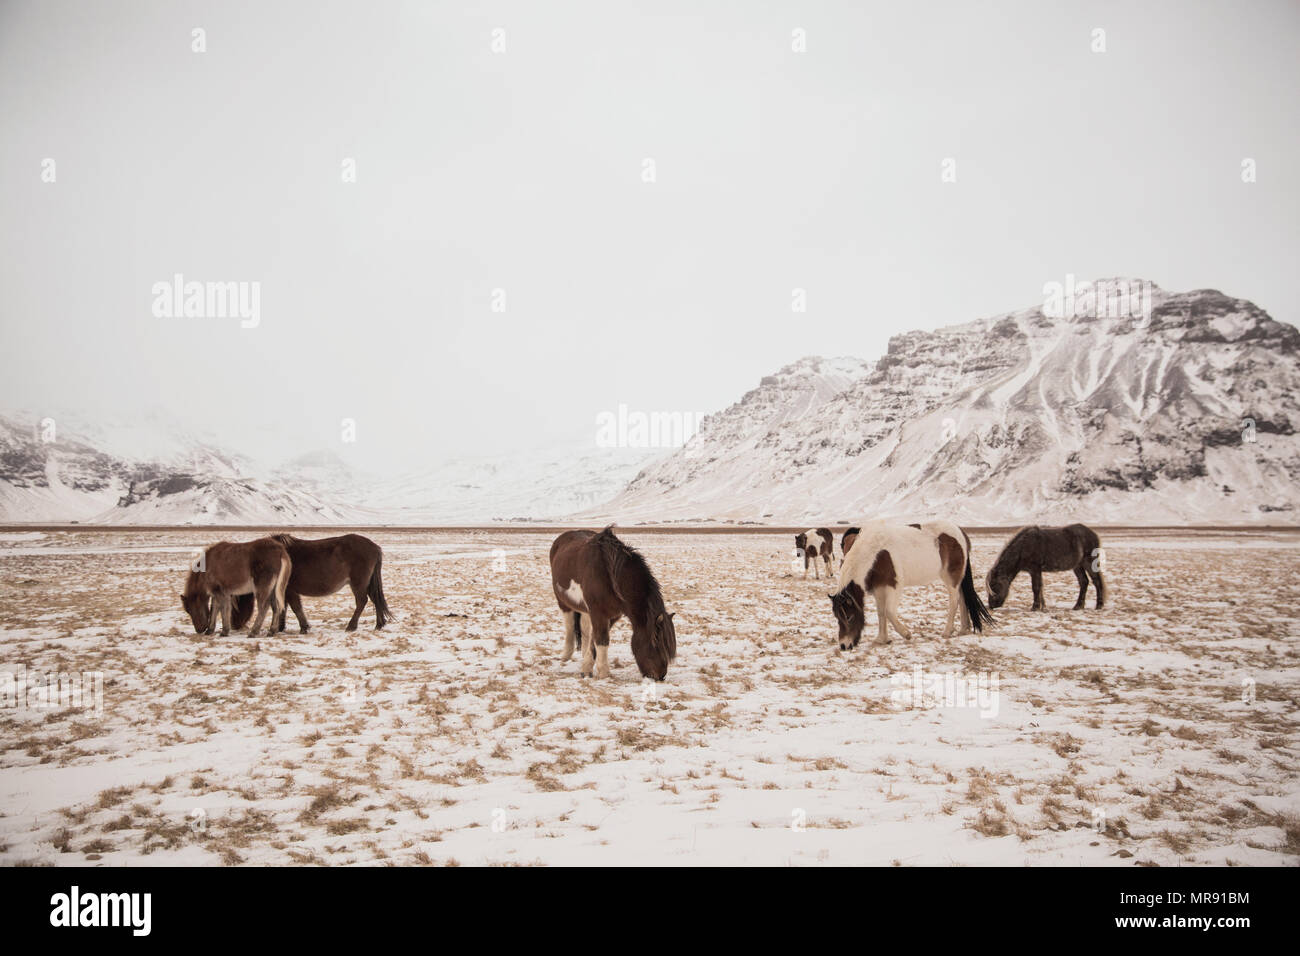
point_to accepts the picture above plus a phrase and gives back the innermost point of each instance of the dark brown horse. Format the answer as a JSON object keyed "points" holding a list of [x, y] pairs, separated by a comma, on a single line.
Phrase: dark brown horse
{"points": [[321, 568], [258, 570], [598, 579], [813, 544], [1074, 548], [846, 542]]}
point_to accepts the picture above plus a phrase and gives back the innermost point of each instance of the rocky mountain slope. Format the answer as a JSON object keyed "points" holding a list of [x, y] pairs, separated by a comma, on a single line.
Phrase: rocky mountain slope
{"points": [[160, 476], [1185, 414], [51, 475]]}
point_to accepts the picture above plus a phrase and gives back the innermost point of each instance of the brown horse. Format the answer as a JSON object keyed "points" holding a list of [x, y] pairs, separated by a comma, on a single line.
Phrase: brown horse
{"points": [[598, 579], [1074, 548], [811, 548], [321, 568], [259, 569]]}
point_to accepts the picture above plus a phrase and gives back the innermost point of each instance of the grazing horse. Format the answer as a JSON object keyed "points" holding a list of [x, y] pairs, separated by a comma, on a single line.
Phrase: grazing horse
{"points": [[598, 579], [321, 568], [887, 557], [259, 569], [846, 542], [811, 548], [1072, 548]]}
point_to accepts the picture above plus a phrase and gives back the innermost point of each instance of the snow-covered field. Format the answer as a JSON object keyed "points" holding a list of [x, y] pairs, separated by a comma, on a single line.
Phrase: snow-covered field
{"points": [[1161, 730]]}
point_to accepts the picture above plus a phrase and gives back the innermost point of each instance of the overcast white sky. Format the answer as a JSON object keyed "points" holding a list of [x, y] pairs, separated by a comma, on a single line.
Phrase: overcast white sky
{"points": [[522, 170]]}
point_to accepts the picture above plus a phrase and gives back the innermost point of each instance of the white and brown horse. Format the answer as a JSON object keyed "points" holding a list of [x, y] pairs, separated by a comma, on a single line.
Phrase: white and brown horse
{"points": [[887, 557], [813, 544], [597, 579], [226, 571]]}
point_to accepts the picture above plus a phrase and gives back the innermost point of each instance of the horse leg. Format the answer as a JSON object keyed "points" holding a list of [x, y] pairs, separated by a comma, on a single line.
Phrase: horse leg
{"points": [[1036, 581], [570, 631], [295, 601], [882, 632], [588, 647], [601, 635], [805, 565], [222, 608], [891, 608], [1099, 584], [1083, 588], [277, 612], [830, 565], [952, 612], [359, 593], [263, 592]]}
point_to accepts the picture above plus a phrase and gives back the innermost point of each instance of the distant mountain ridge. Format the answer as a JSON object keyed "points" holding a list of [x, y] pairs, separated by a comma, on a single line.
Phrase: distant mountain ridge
{"points": [[74, 474], [1188, 414]]}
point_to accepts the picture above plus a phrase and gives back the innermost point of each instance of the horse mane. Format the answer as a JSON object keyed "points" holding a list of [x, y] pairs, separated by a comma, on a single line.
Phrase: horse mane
{"points": [[644, 596], [285, 539], [1010, 553]]}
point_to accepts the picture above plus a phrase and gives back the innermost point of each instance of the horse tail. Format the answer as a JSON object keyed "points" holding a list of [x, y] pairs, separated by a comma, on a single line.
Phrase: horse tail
{"points": [[282, 579], [242, 611], [1093, 556], [376, 589], [979, 614]]}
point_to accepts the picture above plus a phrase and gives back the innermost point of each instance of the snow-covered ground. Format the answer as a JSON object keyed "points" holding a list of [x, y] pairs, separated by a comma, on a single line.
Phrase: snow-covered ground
{"points": [[1159, 730]]}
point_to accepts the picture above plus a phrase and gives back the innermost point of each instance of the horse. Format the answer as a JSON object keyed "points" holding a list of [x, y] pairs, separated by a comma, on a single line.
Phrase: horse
{"points": [[846, 542], [597, 579], [811, 549], [1072, 548], [887, 557], [321, 568], [259, 568]]}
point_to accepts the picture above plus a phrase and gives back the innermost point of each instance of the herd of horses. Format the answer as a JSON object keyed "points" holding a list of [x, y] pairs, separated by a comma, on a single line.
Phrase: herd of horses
{"points": [[598, 578]]}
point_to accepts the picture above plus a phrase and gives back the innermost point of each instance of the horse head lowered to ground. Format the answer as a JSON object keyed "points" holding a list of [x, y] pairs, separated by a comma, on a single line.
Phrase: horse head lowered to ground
{"points": [[887, 557], [598, 578]]}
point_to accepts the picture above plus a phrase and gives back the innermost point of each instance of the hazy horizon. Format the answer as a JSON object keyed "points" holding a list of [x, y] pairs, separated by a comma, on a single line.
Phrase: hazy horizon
{"points": [[510, 167]]}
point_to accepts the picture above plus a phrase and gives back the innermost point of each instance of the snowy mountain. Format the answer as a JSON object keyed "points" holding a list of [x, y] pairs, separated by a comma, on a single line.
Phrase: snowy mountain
{"points": [[1185, 414], [527, 485], [50, 473], [104, 474]]}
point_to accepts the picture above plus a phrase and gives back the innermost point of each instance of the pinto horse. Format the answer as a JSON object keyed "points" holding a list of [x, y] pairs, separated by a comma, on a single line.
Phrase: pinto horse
{"points": [[259, 569], [887, 557], [321, 568], [811, 548], [1073, 548], [597, 579]]}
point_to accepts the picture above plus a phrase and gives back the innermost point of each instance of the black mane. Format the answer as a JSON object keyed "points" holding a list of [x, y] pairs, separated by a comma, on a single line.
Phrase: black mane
{"points": [[620, 557]]}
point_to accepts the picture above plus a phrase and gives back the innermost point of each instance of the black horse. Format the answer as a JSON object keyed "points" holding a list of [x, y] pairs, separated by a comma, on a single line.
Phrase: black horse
{"points": [[1074, 548]]}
